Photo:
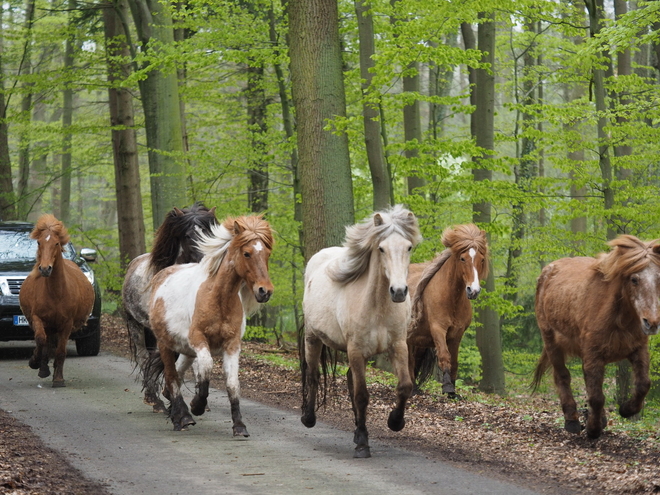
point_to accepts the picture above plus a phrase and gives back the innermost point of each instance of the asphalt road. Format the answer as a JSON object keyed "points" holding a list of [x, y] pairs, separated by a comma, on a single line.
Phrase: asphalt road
{"points": [[100, 423]]}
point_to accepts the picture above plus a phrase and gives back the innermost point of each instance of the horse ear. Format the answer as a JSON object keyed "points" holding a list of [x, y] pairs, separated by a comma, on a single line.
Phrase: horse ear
{"points": [[656, 249], [212, 211], [237, 228], [178, 212], [378, 220]]}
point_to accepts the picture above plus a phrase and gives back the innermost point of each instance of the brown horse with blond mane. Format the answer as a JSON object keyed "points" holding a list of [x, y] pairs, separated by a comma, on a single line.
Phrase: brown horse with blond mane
{"points": [[441, 291], [56, 298], [197, 310], [601, 310]]}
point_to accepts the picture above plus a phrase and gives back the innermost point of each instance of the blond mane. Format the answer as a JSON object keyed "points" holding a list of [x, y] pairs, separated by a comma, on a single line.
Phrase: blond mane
{"points": [[49, 222], [362, 238], [628, 255]]}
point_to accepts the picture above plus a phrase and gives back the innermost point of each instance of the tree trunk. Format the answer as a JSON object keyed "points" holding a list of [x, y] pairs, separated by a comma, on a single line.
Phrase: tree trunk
{"points": [[162, 112], [258, 165], [380, 178], [488, 334], [67, 120], [130, 217], [26, 114], [7, 199], [318, 95]]}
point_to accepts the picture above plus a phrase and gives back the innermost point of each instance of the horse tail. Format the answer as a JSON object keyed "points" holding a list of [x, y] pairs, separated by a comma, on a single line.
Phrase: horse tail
{"points": [[428, 273], [541, 368], [154, 369], [425, 362]]}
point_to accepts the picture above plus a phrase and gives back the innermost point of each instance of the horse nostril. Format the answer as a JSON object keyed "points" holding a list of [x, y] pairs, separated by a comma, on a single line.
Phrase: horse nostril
{"points": [[405, 291]]}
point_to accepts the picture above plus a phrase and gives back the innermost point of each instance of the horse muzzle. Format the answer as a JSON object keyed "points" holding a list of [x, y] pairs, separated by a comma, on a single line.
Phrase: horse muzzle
{"points": [[398, 295], [262, 295], [649, 328], [46, 272], [472, 294]]}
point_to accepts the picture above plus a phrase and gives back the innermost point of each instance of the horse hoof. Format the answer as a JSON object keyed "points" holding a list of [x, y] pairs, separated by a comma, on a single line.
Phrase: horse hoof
{"points": [[362, 452], [308, 421], [160, 408], [58, 383], [184, 423], [595, 433], [240, 431], [573, 426], [44, 372], [396, 421], [197, 407], [33, 364]]}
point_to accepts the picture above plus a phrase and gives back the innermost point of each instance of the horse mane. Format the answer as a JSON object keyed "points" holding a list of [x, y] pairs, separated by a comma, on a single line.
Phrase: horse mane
{"points": [[629, 255], [49, 222], [241, 230], [362, 238], [171, 233], [457, 240]]}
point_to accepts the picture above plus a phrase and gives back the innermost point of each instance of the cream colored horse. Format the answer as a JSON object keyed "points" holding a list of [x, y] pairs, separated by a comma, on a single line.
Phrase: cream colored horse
{"points": [[356, 300]]}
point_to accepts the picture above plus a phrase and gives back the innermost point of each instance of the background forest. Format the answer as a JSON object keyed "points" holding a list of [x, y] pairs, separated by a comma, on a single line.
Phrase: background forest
{"points": [[537, 119]]}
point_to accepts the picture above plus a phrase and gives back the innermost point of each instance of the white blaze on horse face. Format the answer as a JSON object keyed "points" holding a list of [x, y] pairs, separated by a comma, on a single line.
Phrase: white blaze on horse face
{"points": [[475, 285], [258, 246], [48, 238]]}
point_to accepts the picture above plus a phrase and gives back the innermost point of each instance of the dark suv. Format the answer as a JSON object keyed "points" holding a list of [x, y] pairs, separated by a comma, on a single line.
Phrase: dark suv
{"points": [[17, 257]]}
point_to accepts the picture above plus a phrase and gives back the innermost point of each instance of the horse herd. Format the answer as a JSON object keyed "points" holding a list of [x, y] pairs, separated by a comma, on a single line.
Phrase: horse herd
{"points": [[189, 299]]}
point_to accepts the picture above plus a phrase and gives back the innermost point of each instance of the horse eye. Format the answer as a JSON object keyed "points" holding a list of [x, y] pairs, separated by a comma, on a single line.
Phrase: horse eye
{"points": [[381, 250], [462, 259], [634, 280], [409, 248], [246, 254]]}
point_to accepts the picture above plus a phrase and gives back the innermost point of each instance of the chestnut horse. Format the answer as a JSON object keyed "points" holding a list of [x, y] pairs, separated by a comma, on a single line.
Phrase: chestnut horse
{"points": [[601, 310], [196, 310], [56, 298], [356, 300], [441, 291], [174, 243]]}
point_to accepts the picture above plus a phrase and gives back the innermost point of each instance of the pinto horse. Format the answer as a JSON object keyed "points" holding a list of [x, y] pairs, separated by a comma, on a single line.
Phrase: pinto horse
{"points": [[441, 291], [56, 298], [196, 310], [174, 243], [601, 310], [356, 300]]}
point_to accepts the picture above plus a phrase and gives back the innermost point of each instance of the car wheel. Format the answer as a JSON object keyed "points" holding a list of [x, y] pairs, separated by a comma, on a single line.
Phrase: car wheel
{"points": [[90, 345]]}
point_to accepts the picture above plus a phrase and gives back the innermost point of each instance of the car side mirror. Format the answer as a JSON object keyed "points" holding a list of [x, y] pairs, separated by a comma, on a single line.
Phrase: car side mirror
{"points": [[88, 254]]}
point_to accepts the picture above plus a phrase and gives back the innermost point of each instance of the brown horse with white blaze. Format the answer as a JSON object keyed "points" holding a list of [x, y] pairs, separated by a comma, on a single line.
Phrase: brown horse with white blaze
{"points": [[601, 310], [441, 291], [198, 309], [56, 298]]}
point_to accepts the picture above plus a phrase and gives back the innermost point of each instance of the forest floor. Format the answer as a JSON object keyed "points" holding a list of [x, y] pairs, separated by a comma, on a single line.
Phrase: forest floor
{"points": [[511, 438]]}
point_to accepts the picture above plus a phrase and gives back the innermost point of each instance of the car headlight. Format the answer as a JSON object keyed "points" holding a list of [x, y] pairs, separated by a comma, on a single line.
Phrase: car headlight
{"points": [[4, 287], [90, 276]]}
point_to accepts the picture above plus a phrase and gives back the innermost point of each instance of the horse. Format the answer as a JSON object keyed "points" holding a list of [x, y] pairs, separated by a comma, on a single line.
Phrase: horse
{"points": [[356, 300], [56, 298], [197, 309], [441, 291], [601, 310], [174, 243]]}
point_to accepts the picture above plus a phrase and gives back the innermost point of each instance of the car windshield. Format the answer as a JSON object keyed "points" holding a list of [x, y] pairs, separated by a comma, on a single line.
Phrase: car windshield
{"points": [[16, 245]]}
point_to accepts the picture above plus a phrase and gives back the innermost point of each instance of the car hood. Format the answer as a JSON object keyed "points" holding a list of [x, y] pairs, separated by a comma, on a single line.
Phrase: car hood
{"points": [[16, 266]]}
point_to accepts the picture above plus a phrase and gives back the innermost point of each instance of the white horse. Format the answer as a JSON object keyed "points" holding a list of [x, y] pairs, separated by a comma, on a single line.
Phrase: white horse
{"points": [[356, 300]]}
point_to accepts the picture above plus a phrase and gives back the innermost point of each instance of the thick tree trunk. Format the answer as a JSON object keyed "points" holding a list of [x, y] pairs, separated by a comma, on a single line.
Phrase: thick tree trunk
{"points": [[318, 95], [256, 116], [380, 178], [130, 217], [488, 334], [162, 112], [7, 199], [26, 115], [67, 120]]}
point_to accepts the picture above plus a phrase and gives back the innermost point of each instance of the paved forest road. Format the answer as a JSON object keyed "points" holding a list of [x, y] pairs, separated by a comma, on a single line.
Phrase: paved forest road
{"points": [[100, 423]]}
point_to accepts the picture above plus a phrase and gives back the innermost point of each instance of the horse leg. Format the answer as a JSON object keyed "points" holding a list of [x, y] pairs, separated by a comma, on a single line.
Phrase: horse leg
{"points": [[562, 378], [640, 365], [594, 373], [453, 344], [439, 334], [179, 413], [60, 355], [310, 376], [230, 367], [39, 359], [203, 370], [399, 360], [360, 399]]}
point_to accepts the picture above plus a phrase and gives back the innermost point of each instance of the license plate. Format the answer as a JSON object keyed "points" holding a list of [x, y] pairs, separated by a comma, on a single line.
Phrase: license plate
{"points": [[20, 321]]}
